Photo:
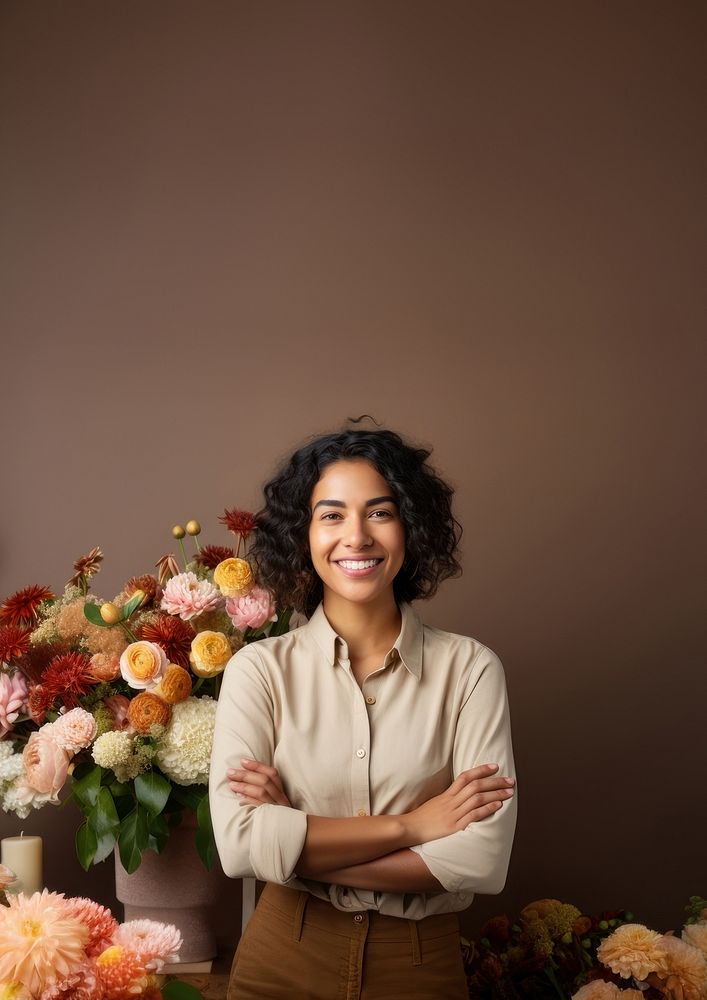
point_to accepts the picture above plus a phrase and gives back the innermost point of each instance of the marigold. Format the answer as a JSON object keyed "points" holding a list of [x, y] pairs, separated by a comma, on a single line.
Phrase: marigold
{"points": [[175, 685], [234, 577], [22, 607], [147, 710]]}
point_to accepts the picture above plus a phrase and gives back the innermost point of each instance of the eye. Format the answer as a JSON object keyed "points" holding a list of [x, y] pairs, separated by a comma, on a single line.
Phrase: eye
{"points": [[385, 513], [332, 515]]}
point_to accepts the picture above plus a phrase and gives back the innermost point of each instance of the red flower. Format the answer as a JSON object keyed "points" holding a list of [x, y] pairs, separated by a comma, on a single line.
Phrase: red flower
{"points": [[173, 635], [86, 567], [22, 607], [240, 522], [14, 642], [211, 555], [67, 678]]}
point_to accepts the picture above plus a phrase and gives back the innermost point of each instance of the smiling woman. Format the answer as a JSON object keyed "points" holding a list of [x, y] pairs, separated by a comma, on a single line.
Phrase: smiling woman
{"points": [[362, 763]]}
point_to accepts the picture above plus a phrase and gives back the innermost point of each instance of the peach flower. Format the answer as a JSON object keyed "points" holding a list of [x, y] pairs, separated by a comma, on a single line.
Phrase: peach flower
{"points": [[188, 596], [598, 989], [633, 950], [696, 935], [147, 710], [251, 610], [687, 968], [104, 667], [46, 764], [175, 685], [75, 730], [142, 664]]}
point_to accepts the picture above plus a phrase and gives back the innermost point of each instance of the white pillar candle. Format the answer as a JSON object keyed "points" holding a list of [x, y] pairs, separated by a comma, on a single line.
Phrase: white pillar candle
{"points": [[23, 855]]}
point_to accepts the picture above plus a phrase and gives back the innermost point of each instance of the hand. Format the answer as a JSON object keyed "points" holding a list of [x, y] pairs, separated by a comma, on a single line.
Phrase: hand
{"points": [[473, 796], [255, 783]]}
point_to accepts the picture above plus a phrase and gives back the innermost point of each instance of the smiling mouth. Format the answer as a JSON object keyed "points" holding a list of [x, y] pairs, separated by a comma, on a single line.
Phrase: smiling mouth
{"points": [[359, 565]]}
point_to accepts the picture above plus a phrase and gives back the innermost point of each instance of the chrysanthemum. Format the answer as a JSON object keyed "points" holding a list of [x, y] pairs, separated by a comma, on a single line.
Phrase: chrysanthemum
{"points": [[97, 919], [68, 677], [633, 950], [119, 971], [86, 567], [184, 752], [211, 555], [188, 596], [239, 522], [687, 965], [14, 642], [39, 944], [22, 607], [38, 657], [154, 943], [172, 634]]}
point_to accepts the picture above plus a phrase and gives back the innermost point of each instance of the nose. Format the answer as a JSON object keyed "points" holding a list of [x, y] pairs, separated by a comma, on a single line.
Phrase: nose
{"points": [[357, 536]]}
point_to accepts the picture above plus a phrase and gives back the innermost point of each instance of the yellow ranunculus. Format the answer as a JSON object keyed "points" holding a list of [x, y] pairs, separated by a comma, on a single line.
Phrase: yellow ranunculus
{"points": [[234, 577], [210, 652]]}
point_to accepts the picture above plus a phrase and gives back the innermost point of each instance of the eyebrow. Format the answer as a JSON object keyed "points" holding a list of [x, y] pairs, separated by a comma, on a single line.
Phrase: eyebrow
{"points": [[340, 503]]}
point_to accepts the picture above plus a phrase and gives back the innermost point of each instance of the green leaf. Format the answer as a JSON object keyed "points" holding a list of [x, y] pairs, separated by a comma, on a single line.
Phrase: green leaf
{"points": [[189, 795], [152, 791], [86, 845], [177, 990], [158, 833], [205, 843], [283, 622], [85, 790], [130, 605], [133, 839], [93, 613], [103, 820]]}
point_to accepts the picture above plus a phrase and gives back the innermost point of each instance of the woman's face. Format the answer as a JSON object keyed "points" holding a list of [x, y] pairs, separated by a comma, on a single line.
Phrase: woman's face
{"points": [[356, 537]]}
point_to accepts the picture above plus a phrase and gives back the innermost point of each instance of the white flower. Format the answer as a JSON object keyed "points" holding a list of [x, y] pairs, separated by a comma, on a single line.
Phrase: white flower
{"points": [[113, 749], [185, 749]]}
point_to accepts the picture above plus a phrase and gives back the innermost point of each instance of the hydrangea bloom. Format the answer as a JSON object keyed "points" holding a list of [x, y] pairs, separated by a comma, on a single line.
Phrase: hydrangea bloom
{"points": [[184, 751]]}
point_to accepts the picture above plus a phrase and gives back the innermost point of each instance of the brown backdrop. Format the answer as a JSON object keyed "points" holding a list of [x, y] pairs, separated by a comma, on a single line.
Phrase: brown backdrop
{"points": [[227, 226]]}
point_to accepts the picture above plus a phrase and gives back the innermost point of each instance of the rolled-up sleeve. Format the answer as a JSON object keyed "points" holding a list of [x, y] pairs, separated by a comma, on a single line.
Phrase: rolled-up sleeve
{"points": [[262, 841], [476, 859]]}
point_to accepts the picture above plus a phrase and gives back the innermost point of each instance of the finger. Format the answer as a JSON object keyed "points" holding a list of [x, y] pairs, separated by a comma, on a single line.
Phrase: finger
{"points": [[473, 774], [483, 804], [257, 766]]}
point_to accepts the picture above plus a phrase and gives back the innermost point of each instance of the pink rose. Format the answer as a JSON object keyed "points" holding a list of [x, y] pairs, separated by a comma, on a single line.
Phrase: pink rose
{"points": [[252, 609], [75, 730], [118, 706], [46, 764]]}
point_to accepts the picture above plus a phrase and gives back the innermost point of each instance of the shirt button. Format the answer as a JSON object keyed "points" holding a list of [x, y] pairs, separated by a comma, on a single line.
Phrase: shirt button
{"points": [[370, 700], [362, 812], [359, 918], [360, 752]]}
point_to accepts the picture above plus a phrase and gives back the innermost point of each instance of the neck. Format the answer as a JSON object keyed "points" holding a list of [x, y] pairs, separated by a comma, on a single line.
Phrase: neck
{"points": [[365, 628]]}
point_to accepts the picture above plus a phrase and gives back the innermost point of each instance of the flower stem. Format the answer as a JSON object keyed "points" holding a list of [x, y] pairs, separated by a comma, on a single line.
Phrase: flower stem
{"points": [[184, 553], [550, 973], [127, 631]]}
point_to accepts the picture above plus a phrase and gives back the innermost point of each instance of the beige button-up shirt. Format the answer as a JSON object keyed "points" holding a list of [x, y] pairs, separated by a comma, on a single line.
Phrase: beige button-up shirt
{"points": [[436, 706]]}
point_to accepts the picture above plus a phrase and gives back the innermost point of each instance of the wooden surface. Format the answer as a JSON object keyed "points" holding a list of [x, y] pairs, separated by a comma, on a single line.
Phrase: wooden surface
{"points": [[212, 986]]}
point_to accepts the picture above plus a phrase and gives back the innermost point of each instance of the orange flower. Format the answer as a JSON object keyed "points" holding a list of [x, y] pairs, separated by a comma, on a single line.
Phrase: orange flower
{"points": [[147, 710], [175, 685]]}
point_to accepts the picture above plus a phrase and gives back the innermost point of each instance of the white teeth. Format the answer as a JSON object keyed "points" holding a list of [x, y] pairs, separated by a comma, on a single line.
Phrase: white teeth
{"points": [[358, 563]]}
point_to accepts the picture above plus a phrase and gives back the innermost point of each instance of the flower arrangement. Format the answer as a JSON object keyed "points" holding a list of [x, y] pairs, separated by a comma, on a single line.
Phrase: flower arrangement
{"points": [[54, 948], [117, 699], [552, 951]]}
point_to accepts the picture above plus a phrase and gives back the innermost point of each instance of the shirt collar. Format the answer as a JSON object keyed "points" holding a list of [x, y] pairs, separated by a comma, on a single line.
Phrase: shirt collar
{"points": [[408, 644]]}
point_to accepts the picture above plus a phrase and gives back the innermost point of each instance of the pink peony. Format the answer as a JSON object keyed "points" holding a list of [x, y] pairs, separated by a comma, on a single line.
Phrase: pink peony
{"points": [[252, 610], [13, 700], [188, 596], [75, 730], [118, 705], [46, 764], [154, 943], [104, 667]]}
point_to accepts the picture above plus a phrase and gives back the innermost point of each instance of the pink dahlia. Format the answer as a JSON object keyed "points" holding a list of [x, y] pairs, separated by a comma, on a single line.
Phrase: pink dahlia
{"points": [[13, 700], [39, 944], [153, 942], [99, 921], [119, 972], [252, 610], [188, 596]]}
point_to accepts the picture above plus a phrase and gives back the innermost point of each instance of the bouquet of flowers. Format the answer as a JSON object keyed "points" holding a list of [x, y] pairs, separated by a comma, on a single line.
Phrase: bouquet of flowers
{"points": [[118, 698], [552, 951], [657, 965], [54, 948]]}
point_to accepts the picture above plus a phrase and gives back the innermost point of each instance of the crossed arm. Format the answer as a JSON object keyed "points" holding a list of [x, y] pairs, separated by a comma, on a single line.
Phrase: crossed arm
{"points": [[373, 852]]}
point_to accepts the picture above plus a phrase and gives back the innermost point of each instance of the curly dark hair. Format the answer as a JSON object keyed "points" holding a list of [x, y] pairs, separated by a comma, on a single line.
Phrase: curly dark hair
{"points": [[281, 549]]}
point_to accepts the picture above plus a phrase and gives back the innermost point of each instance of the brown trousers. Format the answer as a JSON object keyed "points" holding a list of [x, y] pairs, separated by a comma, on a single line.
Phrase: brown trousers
{"points": [[302, 948]]}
